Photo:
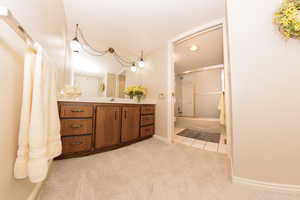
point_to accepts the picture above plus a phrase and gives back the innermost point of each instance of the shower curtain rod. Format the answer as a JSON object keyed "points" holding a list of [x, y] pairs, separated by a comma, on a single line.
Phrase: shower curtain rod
{"points": [[10, 20], [201, 69]]}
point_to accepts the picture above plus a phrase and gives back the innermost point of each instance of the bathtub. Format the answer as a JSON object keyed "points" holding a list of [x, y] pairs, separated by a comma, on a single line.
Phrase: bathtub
{"points": [[196, 123]]}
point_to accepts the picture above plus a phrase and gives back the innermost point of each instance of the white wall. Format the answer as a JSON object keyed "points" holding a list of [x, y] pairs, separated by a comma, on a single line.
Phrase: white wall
{"points": [[265, 71], [154, 78], [44, 21], [11, 76]]}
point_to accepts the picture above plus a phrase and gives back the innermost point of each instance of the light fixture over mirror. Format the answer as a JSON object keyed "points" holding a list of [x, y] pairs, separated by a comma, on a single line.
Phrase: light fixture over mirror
{"points": [[133, 68], [141, 62], [79, 43], [75, 44]]}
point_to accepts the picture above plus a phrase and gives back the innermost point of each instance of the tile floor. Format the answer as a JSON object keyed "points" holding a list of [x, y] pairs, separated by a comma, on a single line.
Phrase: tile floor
{"points": [[208, 146], [149, 170]]}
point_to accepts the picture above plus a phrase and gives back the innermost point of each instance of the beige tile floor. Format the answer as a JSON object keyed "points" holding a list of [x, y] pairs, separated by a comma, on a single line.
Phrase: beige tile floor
{"points": [[208, 146], [149, 170]]}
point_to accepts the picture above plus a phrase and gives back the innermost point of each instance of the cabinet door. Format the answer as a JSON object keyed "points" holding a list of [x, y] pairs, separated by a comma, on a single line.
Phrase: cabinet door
{"points": [[108, 125], [130, 123]]}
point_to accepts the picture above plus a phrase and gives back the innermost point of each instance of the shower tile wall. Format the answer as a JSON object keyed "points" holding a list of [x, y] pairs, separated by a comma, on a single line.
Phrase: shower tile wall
{"points": [[193, 94]]}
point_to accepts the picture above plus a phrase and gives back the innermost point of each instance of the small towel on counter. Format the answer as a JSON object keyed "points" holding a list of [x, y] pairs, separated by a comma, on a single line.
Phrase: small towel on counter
{"points": [[39, 130], [221, 108]]}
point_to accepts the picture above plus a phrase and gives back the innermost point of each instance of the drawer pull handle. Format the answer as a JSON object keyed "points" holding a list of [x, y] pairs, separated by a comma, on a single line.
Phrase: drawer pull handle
{"points": [[76, 143], [76, 126], [77, 111]]}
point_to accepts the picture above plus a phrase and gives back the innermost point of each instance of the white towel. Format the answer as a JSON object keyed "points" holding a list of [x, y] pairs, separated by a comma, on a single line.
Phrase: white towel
{"points": [[39, 132]]}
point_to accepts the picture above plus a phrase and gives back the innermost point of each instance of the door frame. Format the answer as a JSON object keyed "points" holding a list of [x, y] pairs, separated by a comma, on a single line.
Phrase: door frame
{"points": [[171, 80]]}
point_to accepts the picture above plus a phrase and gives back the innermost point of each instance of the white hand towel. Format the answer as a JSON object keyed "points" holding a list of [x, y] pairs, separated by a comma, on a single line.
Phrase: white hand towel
{"points": [[20, 170], [39, 134]]}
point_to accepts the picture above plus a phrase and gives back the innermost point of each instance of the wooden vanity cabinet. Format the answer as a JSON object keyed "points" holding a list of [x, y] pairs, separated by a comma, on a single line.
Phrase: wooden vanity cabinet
{"points": [[130, 123], [88, 128], [76, 128], [108, 126], [147, 120], [71, 127], [76, 144]]}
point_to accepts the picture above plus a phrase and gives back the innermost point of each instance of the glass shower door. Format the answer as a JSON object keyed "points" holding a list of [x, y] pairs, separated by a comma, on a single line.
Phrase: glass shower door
{"points": [[188, 100]]}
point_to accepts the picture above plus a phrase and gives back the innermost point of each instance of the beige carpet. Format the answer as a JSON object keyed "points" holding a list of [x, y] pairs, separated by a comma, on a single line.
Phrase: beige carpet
{"points": [[149, 170]]}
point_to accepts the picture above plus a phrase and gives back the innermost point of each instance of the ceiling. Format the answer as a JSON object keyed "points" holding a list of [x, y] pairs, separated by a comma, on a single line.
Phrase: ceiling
{"points": [[210, 51], [130, 26]]}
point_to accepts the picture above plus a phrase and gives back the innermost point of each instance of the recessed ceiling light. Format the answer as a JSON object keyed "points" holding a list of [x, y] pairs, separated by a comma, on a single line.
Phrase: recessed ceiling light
{"points": [[194, 48]]}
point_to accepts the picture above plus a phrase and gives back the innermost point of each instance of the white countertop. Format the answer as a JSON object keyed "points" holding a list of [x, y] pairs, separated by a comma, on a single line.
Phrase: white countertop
{"points": [[107, 100]]}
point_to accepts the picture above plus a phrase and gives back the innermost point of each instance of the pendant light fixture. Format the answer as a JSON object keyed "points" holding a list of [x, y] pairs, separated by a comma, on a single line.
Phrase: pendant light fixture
{"points": [[141, 61], [79, 43], [75, 44], [133, 68]]}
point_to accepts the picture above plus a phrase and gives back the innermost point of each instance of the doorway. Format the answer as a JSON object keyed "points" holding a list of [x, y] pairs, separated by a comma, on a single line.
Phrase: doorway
{"points": [[201, 81]]}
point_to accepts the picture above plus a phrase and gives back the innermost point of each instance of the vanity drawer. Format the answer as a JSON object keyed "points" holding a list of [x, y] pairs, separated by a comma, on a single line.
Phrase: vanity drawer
{"points": [[147, 130], [76, 111], [147, 120], [148, 110], [76, 126], [76, 144]]}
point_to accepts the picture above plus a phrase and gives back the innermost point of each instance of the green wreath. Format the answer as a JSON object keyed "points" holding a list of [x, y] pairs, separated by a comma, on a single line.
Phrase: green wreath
{"points": [[287, 19]]}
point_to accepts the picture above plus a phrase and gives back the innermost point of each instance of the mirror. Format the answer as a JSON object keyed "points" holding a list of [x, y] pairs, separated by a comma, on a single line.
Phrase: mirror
{"points": [[111, 85], [99, 76]]}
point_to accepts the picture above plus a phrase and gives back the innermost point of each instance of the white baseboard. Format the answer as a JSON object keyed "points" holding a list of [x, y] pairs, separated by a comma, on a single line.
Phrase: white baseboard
{"points": [[163, 139], [36, 190], [267, 185]]}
